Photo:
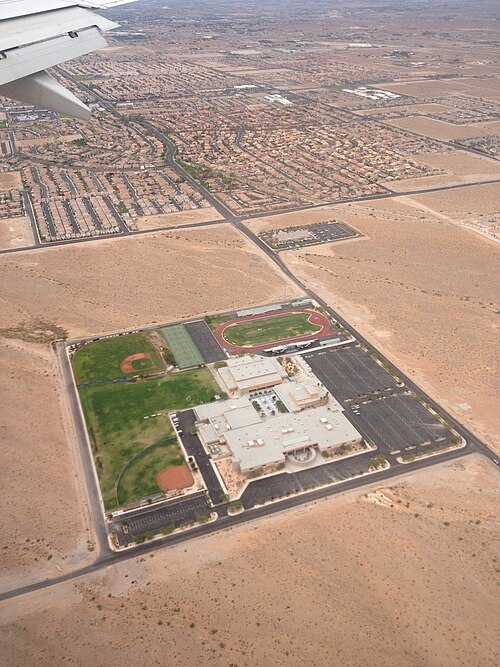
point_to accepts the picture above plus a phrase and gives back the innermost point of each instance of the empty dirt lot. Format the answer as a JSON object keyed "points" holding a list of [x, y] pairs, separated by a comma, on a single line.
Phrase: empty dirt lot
{"points": [[15, 233], [424, 291], [399, 575], [438, 129], [456, 167], [113, 284], [179, 218], [484, 88]]}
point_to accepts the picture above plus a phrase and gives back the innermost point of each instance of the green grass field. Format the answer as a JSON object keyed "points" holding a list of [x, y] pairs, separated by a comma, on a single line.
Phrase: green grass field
{"points": [[139, 479], [214, 321], [101, 360], [115, 413], [270, 329]]}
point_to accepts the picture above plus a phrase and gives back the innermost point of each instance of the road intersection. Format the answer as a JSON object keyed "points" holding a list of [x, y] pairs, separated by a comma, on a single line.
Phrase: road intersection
{"points": [[106, 556]]}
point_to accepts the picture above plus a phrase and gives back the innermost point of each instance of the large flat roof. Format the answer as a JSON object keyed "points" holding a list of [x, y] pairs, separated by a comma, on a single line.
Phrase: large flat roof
{"points": [[246, 372], [268, 441], [242, 417], [218, 408]]}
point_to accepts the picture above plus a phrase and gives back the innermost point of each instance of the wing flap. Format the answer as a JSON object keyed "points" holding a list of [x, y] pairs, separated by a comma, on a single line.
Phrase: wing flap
{"points": [[38, 34], [36, 57], [39, 27]]}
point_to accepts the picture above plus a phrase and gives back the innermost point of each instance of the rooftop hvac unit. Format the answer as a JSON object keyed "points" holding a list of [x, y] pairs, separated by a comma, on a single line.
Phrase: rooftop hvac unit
{"points": [[328, 427]]}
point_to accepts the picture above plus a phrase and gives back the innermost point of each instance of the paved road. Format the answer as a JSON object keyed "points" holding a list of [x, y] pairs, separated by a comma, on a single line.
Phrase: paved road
{"points": [[91, 482], [385, 195], [42, 246], [107, 557], [226, 522]]}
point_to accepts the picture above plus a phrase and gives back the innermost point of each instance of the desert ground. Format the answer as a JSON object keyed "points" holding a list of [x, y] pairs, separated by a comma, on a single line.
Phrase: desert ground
{"points": [[397, 575], [15, 233], [457, 167], [477, 207], [477, 200], [120, 283], [485, 88], [44, 512], [438, 129], [179, 218], [139, 281], [10, 180], [423, 290]]}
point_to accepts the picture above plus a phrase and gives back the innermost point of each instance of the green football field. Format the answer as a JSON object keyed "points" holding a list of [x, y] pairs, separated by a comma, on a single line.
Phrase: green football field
{"points": [[101, 359], [114, 413], [270, 330]]}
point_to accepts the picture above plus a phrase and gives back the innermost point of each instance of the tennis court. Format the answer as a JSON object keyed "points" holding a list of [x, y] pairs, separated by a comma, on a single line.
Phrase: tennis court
{"points": [[180, 343]]}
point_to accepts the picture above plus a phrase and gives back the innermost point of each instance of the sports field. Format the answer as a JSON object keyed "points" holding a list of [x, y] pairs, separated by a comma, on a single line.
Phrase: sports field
{"points": [[270, 329], [112, 358], [182, 346], [139, 478], [115, 412]]}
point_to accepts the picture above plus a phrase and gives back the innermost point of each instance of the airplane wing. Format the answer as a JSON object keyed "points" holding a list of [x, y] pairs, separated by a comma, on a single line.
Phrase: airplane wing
{"points": [[38, 34]]}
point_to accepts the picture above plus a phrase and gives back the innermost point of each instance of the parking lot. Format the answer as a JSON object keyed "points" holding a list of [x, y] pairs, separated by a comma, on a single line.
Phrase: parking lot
{"points": [[195, 449], [278, 486], [383, 412], [150, 519], [293, 238]]}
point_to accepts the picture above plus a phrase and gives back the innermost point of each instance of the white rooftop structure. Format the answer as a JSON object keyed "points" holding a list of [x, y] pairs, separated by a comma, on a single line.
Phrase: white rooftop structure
{"points": [[297, 396], [248, 373], [268, 442], [208, 410]]}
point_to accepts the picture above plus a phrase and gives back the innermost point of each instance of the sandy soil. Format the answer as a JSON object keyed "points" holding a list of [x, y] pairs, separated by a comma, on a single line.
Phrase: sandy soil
{"points": [[485, 88], [178, 218], [127, 282], [34, 141], [424, 291], [397, 575], [10, 180], [15, 233], [43, 522], [460, 167], [476, 200], [438, 129]]}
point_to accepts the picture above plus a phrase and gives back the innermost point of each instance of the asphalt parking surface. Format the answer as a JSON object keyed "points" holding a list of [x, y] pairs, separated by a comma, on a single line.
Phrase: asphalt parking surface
{"points": [[205, 341], [385, 414], [352, 372], [323, 232], [150, 519], [278, 486], [194, 448]]}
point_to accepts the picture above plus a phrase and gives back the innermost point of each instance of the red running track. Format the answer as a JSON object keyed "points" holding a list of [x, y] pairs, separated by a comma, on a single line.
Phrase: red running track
{"points": [[314, 318]]}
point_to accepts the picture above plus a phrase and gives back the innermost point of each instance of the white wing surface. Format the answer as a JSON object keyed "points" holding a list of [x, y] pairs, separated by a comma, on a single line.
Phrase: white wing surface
{"points": [[38, 34]]}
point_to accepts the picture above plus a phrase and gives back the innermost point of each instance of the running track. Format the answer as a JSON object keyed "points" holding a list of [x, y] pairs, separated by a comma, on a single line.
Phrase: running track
{"points": [[314, 318]]}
